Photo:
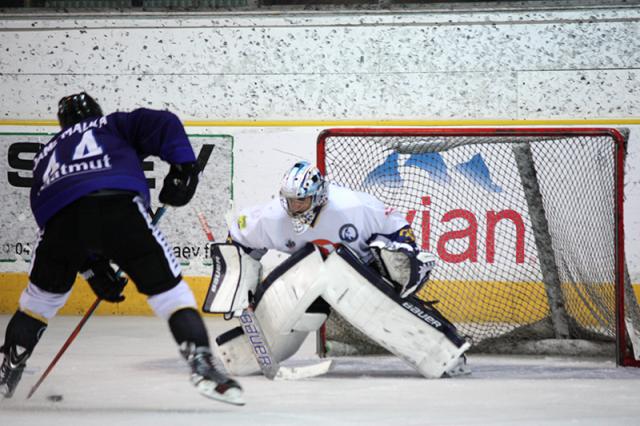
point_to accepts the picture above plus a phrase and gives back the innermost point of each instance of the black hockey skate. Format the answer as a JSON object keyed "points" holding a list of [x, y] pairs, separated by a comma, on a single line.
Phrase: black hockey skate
{"points": [[207, 379], [13, 364]]}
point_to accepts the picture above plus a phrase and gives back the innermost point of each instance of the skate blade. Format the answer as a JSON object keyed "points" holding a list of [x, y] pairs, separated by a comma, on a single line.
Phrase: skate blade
{"points": [[304, 371], [4, 392], [231, 396], [457, 372], [458, 367]]}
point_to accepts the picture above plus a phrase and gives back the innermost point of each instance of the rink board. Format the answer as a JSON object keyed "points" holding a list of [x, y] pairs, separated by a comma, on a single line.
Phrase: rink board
{"points": [[135, 303]]}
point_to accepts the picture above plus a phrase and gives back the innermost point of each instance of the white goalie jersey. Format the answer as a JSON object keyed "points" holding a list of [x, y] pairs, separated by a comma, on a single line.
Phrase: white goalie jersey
{"points": [[349, 218]]}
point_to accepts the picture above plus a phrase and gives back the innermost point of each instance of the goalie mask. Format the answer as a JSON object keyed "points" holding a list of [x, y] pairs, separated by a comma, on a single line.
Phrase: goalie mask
{"points": [[73, 109], [303, 193]]}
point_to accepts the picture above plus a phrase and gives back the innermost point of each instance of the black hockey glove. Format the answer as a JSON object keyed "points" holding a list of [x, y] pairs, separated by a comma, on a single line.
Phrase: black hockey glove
{"points": [[104, 281], [180, 184]]}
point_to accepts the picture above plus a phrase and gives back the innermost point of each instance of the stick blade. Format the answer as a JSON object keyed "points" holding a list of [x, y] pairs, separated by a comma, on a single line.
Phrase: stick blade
{"points": [[303, 371], [233, 396]]}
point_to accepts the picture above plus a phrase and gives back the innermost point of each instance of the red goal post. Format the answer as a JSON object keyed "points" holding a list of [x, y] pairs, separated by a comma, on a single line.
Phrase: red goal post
{"points": [[527, 222]]}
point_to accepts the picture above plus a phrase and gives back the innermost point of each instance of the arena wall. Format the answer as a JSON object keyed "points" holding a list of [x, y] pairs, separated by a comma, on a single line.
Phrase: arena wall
{"points": [[268, 83]]}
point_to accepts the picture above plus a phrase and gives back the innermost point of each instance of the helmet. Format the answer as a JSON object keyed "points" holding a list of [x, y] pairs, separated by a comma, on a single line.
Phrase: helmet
{"points": [[73, 109], [301, 181]]}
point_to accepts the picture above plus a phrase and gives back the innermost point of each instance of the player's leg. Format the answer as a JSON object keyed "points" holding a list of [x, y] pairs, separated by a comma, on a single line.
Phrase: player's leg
{"points": [[57, 257], [141, 250], [288, 308]]}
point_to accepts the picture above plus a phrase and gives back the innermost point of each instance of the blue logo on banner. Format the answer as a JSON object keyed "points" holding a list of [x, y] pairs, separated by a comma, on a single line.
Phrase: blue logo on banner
{"points": [[386, 174], [475, 170], [431, 162]]}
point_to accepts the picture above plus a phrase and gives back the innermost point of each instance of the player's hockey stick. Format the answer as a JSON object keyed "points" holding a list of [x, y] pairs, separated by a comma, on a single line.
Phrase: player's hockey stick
{"points": [[156, 217], [269, 366]]}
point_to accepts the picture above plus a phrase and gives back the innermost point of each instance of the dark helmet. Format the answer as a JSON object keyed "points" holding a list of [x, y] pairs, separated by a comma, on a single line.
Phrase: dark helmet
{"points": [[73, 109]]}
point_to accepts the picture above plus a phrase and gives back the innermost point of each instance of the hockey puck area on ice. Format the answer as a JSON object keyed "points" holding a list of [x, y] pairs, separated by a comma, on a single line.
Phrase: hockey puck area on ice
{"points": [[55, 398]]}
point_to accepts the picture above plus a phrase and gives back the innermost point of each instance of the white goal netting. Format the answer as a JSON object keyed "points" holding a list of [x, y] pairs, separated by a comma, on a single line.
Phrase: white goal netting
{"points": [[526, 224]]}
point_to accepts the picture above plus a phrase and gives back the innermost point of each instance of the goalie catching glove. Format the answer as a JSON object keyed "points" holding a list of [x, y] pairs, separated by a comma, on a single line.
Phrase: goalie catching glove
{"points": [[104, 280], [180, 184], [398, 262]]}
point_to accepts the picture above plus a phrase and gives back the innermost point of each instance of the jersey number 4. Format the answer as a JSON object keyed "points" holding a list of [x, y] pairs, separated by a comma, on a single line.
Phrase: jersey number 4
{"points": [[88, 147]]}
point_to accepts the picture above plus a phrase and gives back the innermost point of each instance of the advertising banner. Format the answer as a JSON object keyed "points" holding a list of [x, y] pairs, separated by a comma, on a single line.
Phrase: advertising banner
{"points": [[18, 229]]}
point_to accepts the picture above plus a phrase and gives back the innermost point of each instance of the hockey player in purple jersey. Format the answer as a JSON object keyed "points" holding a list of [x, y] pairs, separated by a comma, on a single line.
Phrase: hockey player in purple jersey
{"points": [[91, 202]]}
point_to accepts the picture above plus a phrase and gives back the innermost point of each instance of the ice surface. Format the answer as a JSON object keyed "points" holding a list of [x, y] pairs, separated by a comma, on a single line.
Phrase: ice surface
{"points": [[126, 371]]}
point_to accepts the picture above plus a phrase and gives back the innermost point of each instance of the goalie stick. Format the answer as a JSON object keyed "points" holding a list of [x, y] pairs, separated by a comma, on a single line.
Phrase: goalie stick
{"points": [[269, 367], [156, 217]]}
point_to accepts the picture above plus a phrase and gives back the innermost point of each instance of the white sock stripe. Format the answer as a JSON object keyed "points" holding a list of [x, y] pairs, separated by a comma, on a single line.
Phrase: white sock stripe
{"points": [[35, 248], [41, 302], [166, 303], [160, 238]]}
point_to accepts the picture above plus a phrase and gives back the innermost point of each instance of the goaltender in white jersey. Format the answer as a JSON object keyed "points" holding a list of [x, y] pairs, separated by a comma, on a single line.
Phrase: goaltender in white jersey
{"points": [[349, 253], [348, 217]]}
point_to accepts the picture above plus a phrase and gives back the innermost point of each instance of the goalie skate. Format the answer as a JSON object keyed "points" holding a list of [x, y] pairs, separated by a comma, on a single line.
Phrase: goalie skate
{"points": [[210, 382], [458, 367]]}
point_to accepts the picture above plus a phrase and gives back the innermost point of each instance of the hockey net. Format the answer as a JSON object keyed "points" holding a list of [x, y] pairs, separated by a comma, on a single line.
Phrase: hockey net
{"points": [[526, 223]]}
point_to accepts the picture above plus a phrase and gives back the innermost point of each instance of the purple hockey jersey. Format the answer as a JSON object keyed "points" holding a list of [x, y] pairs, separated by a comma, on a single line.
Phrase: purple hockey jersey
{"points": [[104, 153]]}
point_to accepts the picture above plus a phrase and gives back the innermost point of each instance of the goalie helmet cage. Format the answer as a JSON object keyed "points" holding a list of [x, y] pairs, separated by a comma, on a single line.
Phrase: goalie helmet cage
{"points": [[527, 224]]}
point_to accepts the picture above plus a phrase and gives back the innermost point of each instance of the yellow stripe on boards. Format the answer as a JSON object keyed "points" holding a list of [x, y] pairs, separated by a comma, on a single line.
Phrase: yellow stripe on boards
{"points": [[82, 296], [519, 302], [459, 301], [373, 123]]}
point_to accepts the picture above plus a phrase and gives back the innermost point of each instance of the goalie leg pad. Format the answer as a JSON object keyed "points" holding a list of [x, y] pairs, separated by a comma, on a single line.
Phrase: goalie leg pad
{"points": [[236, 351], [287, 293], [281, 304], [310, 321], [418, 335]]}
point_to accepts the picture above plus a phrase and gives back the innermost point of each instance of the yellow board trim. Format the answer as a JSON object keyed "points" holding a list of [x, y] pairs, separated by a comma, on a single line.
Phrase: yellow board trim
{"points": [[470, 303], [512, 302], [365, 123], [12, 284]]}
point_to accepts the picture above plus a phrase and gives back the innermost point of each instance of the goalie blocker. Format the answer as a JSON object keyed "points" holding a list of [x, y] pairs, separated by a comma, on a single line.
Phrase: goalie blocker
{"points": [[285, 308], [234, 279]]}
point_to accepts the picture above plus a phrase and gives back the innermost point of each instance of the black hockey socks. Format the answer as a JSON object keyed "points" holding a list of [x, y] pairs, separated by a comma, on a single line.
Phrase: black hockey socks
{"points": [[21, 337], [23, 330], [187, 326]]}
